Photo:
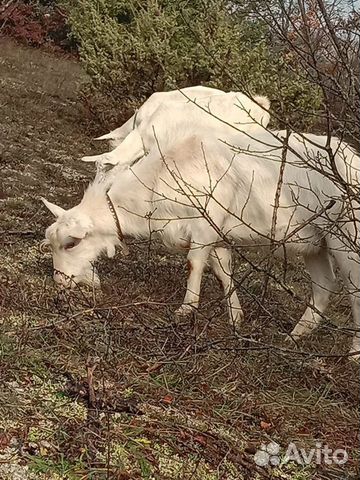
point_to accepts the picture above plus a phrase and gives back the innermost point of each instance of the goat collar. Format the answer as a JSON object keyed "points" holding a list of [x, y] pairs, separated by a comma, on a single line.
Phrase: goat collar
{"points": [[117, 223]]}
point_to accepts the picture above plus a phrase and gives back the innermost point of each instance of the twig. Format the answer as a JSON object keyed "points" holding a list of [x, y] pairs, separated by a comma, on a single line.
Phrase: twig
{"points": [[91, 365]]}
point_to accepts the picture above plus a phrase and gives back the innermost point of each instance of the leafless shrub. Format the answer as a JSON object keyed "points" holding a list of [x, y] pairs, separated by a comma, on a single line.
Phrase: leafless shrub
{"points": [[323, 37]]}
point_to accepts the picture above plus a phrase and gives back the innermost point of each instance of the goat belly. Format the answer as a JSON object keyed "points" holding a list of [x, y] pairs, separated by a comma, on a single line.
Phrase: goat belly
{"points": [[175, 238]]}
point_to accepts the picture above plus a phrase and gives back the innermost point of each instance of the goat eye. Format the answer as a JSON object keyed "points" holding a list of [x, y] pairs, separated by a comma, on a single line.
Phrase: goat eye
{"points": [[72, 244]]}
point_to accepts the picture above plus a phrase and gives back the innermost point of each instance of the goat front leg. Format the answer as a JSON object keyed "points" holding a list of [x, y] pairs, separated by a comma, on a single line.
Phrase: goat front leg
{"points": [[221, 263], [196, 261]]}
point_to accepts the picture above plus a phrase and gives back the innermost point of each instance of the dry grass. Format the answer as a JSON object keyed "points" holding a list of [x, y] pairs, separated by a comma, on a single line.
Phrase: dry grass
{"points": [[115, 386]]}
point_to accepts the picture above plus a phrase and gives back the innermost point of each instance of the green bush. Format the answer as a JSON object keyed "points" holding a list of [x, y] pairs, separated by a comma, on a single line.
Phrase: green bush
{"points": [[131, 48]]}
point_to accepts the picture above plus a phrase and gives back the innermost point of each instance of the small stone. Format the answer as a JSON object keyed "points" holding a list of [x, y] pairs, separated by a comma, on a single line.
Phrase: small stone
{"points": [[261, 458]]}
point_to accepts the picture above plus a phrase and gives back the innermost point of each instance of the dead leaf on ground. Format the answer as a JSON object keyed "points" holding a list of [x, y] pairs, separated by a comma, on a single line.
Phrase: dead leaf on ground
{"points": [[265, 425], [168, 399]]}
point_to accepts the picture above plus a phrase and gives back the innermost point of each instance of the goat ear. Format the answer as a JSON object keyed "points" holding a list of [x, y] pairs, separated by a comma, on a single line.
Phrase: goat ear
{"points": [[54, 209], [103, 158], [107, 136], [93, 158], [118, 133]]}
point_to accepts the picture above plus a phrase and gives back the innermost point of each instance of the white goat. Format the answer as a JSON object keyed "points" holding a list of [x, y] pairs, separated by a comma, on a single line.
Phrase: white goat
{"points": [[219, 114], [201, 195], [183, 95]]}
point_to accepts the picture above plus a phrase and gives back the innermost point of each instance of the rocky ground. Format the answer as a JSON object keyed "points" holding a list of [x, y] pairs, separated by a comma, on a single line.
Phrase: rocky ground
{"points": [[114, 386]]}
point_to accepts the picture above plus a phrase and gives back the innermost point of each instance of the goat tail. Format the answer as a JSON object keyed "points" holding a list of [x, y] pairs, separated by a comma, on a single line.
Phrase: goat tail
{"points": [[347, 162], [262, 101]]}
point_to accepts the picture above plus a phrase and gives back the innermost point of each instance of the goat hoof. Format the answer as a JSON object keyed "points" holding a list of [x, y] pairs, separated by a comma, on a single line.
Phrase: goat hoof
{"points": [[237, 320], [240, 317], [185, 311]]}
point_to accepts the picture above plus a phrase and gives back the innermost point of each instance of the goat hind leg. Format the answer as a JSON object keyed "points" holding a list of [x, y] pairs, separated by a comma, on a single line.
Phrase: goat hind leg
{"points": [[322, 277], [348, 262]]}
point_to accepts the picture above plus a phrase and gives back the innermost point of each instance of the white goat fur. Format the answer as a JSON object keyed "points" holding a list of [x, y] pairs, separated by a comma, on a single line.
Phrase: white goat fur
{"points": [[183, 95], [161, 116], [201, 192]]}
